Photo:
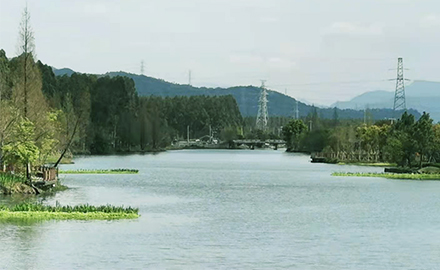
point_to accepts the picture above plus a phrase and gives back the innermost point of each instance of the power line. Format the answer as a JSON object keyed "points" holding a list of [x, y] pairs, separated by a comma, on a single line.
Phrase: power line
{"points": [[321, 83]]}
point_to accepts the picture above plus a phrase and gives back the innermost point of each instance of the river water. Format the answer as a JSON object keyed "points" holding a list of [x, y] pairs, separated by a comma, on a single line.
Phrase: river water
{"points": [[224, 209]]}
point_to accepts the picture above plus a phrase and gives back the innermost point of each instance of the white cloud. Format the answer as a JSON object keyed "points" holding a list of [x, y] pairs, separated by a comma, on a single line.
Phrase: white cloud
{"points": [[279, 63], [97, 8], [430, 21], [348, 28], [245, 59]]}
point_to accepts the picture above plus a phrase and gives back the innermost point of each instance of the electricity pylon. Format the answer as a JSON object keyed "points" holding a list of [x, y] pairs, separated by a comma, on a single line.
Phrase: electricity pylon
{"points": [[263, 116], [297, 111], [399, 96]]}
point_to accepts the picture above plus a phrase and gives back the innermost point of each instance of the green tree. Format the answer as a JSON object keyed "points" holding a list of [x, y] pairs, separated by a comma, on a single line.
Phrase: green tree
{"points": [[292, 133], [335, 117], [401, 143], [424, 136], [21, 148]]}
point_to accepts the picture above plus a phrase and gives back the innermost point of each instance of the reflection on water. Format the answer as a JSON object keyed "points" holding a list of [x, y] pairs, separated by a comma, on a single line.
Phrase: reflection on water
{"points": [[232, 209]]}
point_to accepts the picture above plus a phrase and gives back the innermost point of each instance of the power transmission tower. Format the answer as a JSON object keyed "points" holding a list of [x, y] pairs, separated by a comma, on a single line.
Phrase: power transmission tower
{"points": [[399, 97], [142, 67], [297, 111], [263, 116], [189, 77]]}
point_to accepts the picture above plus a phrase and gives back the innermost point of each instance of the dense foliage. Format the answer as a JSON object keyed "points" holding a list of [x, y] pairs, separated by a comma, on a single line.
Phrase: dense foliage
{"points": [[406, 142], [105, 115]]}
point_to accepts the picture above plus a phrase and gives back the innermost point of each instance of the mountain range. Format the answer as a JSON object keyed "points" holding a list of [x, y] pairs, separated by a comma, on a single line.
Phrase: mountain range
{"points": [[246, 96], [423, 96]]}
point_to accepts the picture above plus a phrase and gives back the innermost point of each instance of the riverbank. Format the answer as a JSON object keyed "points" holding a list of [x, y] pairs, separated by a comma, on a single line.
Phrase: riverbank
{"points": [[401, 176], [39, 212], [64, 160], [13, 184], [368, 164], [110, 171]]}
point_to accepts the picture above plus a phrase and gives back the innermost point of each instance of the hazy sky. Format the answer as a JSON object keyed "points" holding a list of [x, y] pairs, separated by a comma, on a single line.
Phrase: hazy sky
{"points": [[319, 50]]}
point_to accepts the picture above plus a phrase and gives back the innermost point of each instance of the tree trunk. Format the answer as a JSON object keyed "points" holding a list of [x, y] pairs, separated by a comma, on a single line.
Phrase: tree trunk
{"points": [[69, 143]]}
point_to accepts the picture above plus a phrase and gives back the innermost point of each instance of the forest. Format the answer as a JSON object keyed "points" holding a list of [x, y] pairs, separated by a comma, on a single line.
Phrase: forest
{"points": [[43, 116], [106, 115], [407, 142]]}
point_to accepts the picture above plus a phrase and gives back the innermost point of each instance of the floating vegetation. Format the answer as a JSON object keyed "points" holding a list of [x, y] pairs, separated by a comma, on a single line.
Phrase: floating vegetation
{"points": [[37, 211], [404, 176], [368, 164], [112, 171]]}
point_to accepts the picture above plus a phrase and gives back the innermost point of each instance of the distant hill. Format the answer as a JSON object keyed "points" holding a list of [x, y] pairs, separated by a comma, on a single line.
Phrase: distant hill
{"points": [[420, 95], [63, 71], [246, 96]]}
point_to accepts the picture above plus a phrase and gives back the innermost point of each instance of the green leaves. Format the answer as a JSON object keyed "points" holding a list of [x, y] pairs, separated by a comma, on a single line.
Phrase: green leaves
{"points": [[292, 134], [21, 148]]}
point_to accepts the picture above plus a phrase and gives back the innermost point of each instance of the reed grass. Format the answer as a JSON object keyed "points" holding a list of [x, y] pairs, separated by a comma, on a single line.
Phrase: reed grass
{"points": [[37, 211], [111, 171], [10, 183], [403, 176], [10, 179]]}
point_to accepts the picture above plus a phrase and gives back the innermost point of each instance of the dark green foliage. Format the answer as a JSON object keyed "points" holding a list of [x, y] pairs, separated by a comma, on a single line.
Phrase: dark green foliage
{"points": [[408, 142], [49, 80], [114, 119], [293, 133]]}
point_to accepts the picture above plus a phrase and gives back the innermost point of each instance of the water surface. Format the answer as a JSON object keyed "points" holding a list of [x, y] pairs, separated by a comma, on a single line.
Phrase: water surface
{"points": [[208, 209]]}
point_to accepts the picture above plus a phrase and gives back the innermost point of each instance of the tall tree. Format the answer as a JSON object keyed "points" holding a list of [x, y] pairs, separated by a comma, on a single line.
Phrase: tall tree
{"points": [[292, 133], [26, 48], [424, 136]]}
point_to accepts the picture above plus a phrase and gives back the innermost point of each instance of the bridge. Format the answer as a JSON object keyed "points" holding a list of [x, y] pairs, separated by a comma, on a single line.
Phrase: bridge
{"points": [[258, 143]]}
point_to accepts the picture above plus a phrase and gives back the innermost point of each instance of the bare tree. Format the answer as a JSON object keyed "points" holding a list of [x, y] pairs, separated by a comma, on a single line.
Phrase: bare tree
{"points": [[26, 49]]}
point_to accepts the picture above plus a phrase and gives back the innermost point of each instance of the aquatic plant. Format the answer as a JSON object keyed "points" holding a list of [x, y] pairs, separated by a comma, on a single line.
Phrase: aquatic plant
{"points": [[403, 176], [369, 164], [110, 171], [39, 211]]}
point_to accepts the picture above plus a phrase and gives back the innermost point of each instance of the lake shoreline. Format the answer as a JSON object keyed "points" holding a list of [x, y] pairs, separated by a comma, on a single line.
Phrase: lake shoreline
{"points": [[397, 176]]}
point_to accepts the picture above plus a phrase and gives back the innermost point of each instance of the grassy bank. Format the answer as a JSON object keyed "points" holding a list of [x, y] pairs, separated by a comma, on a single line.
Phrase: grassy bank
{"points": [[404, 176], [32, 211], [115, 171], [64, 160], [13, 184], [377, 164]]}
